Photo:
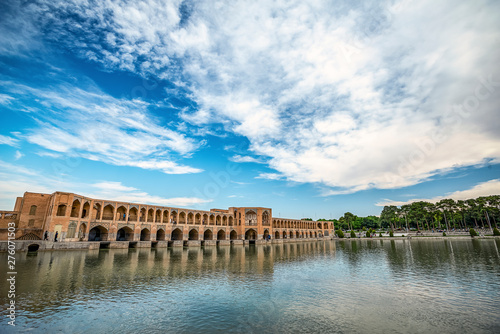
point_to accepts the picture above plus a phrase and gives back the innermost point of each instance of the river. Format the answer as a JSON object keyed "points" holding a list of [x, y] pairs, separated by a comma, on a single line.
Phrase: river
{"points": [[341, 286]]}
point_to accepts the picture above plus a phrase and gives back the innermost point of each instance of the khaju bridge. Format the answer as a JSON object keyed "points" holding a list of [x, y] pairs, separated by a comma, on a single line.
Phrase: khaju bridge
{"points": [[77, 219]]}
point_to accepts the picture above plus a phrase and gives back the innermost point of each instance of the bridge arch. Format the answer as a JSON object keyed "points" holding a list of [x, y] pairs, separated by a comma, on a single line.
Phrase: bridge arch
{"points": [[160, 235], [145, 234], [208, 235], [176, 234], [98, 233], [125, 234], [193, 234], [251, 234]]}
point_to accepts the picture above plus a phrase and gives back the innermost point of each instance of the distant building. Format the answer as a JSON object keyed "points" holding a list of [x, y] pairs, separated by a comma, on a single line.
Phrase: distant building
{"points": [[78, 218]]}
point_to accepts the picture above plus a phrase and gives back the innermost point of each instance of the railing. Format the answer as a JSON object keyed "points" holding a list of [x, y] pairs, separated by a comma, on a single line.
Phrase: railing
{"points": [[107, 217]]}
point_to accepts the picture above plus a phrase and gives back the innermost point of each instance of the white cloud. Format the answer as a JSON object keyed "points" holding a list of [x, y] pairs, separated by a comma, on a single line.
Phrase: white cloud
{"points": [[99, 127], [270, 176], [488, 188], [246, 158], [18, 155], [6, 140], [351, 97]]}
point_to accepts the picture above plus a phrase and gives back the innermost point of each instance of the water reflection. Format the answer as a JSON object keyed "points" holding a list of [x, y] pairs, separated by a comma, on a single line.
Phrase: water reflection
{"points": [[348, 285]]}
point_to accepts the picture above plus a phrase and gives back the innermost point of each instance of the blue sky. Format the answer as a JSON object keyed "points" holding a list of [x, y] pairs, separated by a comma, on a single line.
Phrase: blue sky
{"points": [[311, 108]]}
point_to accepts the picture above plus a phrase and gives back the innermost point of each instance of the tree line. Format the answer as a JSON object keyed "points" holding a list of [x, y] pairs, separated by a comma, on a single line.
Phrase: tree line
{"points": [[447, 214]]}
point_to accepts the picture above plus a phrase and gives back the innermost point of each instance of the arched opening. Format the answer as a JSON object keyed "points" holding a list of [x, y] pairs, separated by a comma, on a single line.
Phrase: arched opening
{"points": [[319, 225], [290, 235], [61, 210], [230, 221], [182, 217], [86, 210], [190, 218], [173, 217], [325, 226], [266, 234], [75, 209], [197, 219], [276, 235], [233, 235], [97, 211], [33, 247], [208, 235], [121, 213], [125, 234], [284, 234], [217, 220], [297, 234], [315, 234], [145, 234], [177, 234], [33, 210], [165, 216], [193, 234], [224, 221], [132, 215], [160, 235], [212, 220], [327, 233], [250, 234], [70, 234], [107, 212], [142, 216], [221, 235], [158, 216], [310, 234], [98, 233], [205, 219], [151, 213], [82, 231]]}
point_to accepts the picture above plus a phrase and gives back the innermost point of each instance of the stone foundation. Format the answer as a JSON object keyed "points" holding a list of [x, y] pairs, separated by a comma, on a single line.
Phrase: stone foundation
{"points": [[176, 243], [118, 244], [192, 243]]}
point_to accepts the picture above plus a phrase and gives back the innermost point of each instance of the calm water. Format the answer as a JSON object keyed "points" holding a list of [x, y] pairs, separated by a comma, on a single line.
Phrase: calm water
{"points": [[365, 286]]}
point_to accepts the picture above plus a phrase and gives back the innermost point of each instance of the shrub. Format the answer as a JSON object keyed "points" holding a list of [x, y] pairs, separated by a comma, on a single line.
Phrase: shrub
{"points": [[364, 228], [380, 234], [391, 233], [368, 234], [444, 234], [496, 232], [353, 235], [339, 233], [473, 232]]}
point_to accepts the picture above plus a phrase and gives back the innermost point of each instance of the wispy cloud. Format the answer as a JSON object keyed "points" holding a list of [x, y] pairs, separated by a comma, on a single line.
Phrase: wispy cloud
{"points": [[270, 176], [6, 140], [18, 155], [245, 158], [99, 127], [488, 188]]}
